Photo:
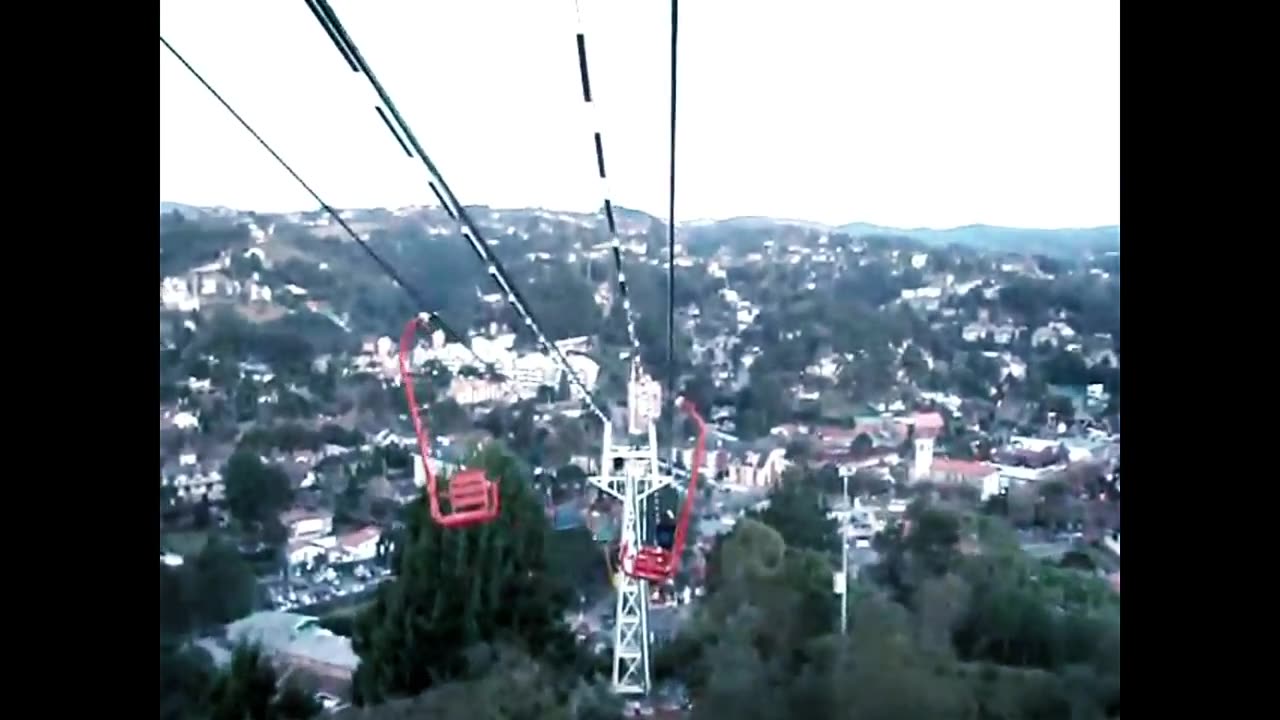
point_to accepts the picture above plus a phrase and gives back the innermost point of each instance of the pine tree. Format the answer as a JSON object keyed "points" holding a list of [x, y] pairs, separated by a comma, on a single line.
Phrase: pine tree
{"points": [[459, 588]]}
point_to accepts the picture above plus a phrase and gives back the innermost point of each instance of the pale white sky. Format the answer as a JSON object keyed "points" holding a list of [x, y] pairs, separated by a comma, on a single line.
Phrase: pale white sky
{"points": [[905, 113]]}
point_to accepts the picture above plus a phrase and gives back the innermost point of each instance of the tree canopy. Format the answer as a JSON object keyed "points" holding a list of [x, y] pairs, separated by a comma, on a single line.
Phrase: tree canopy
{"points": [[457, 589], [256, 492], [215, 587]]}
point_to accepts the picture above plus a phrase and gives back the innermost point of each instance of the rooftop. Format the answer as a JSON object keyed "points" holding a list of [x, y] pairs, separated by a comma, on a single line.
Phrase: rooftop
{"points": [[363, 535], [968, 468], [299, 514], [294, 635]]}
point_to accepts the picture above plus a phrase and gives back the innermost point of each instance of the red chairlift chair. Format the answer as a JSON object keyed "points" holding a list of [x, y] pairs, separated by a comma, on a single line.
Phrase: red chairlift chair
{"points": [[657, 563], [471, 495]]}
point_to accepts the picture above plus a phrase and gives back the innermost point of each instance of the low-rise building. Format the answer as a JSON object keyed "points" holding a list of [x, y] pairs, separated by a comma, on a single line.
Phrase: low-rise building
{"points": [[358, 546], [304, 523], [294, 644], [980, 475]]}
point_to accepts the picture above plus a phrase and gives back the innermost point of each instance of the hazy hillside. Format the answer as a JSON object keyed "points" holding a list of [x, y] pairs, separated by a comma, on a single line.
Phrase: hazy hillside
{"points": [[1005, 239]]}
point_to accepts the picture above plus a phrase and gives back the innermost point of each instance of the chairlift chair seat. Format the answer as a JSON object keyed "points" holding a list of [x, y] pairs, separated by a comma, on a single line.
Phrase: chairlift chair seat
{"points": [[473, 499]]}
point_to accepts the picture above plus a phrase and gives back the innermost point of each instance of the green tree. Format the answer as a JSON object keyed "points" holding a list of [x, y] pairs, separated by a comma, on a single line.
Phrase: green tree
{"points": [[761, 405], [795, 511], [766, 602], [249, 690], [448, 417], [861, 446], [186, 675], [799, 450], [222, 586], [886, 674], [501, 682], [255, 491], [459, 588]]}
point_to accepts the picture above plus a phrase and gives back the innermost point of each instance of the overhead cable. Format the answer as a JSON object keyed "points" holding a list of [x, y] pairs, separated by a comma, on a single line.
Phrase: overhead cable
{"points": [[336, 216], [598, 141], [333, 27], [671, 233]]}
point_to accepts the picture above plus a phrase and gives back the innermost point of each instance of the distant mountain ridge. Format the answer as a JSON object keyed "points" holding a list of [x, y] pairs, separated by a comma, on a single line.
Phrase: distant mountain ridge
{"points": [[1005, 239], [1069, 241]]}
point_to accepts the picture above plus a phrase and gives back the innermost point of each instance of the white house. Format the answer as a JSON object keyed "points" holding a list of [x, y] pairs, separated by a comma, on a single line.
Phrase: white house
{"points": [[194, 485], [307, 551], [472, 391], [175, 294], [981, 475], [532, 371], [307, 523]]}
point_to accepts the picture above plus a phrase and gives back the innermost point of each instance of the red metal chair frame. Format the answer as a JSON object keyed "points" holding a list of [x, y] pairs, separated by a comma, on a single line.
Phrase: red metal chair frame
{"points": [[654, 562], [473, 497]]}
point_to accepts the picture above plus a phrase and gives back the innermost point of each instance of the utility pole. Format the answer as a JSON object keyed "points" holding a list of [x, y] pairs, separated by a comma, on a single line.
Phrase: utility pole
{"points": [[844, 562]]}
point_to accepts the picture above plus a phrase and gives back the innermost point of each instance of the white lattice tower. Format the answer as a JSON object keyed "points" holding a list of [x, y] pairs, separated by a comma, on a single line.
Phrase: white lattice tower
{"points": [[633, 483]]}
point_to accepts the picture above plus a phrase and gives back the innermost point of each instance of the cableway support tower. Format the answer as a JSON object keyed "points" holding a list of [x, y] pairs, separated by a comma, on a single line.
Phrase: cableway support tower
{"points": [[630, 473]]}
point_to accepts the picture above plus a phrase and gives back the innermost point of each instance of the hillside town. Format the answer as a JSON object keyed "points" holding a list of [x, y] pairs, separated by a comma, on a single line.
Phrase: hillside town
{"points": [[982, 378]]}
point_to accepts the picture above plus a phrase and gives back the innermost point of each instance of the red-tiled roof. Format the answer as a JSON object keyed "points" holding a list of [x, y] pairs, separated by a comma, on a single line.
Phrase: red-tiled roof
{"points": [[363, 535], [838, 433], [928, 421]]}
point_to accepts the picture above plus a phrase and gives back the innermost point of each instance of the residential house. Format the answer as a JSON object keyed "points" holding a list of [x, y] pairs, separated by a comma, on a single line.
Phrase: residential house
{"points": [[304, 523], [846, 463], [532, 371], [212, 279], [758, 469], [358, 546], [176, 294], [1016, 476], [827, 367], [306, 551], [927, 298], [1055, 333], [1003, 334], [192, 481], [294, 644], [178, 420], [983, 476], [477, 390]]}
